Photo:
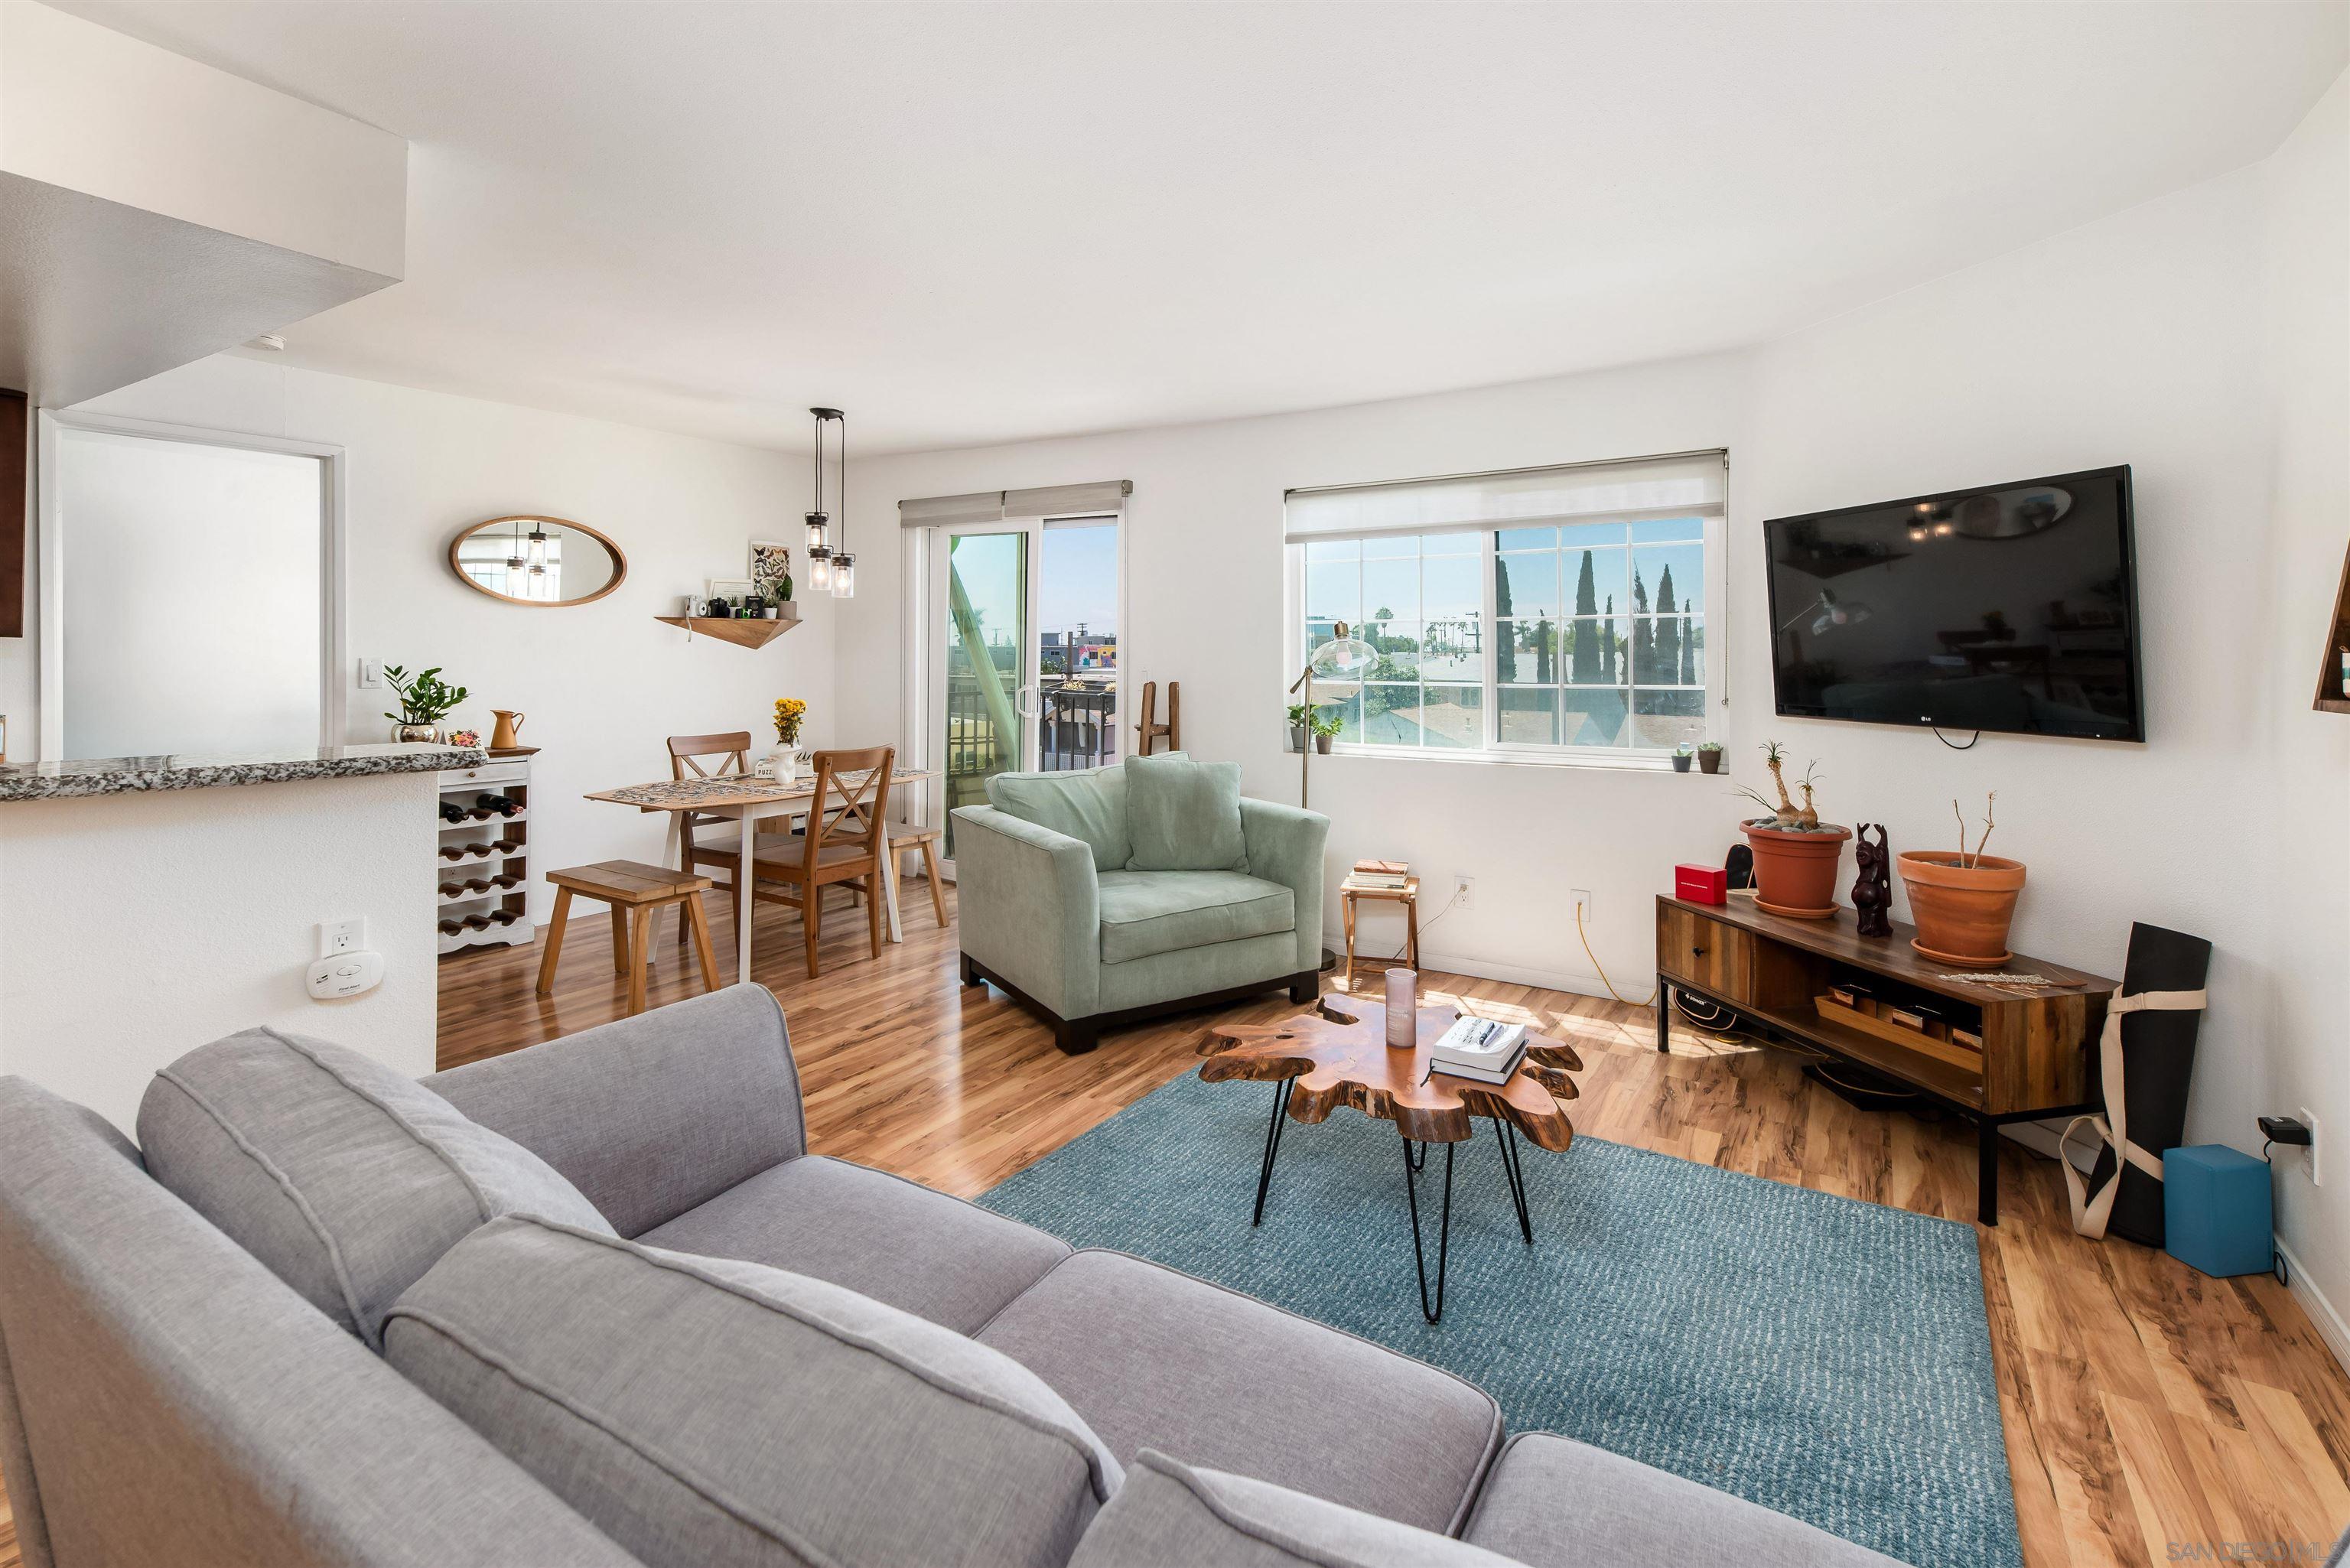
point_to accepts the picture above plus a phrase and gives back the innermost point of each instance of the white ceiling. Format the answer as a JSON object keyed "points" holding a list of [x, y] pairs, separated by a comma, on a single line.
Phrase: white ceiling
{"points": [[982, 221]]}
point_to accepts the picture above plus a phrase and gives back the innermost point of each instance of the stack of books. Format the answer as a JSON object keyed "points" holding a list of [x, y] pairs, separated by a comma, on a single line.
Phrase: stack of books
{"points": [[1379, 876], [1478, 1049]]}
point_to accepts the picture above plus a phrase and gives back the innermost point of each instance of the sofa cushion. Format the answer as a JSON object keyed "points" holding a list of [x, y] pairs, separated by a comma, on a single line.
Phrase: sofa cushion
{"points": [[700, 1410], [346, 1177], [1085, 803], [1155, 1359], [1170, 1512], [1183, 815], [921, 1252], [1147, 912], [1549, 1498]]}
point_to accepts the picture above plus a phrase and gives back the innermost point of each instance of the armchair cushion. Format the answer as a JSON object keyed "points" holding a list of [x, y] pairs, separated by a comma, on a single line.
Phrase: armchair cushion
{"points": [[1184, 816], [1147, 912], [1089, 803], [347, 1179]]}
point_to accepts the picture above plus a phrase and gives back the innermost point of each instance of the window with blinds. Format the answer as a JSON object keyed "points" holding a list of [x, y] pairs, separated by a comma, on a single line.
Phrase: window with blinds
{"points": [[1561, 612]]}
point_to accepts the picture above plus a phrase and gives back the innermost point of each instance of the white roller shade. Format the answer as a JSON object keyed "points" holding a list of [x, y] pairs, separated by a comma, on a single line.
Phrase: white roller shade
{"points": [[1685, 484], [1099, 499], [986, 506]]}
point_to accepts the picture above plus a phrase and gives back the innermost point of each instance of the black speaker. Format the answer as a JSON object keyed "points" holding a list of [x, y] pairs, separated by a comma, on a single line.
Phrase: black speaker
{"points": [[2158, 1060]]}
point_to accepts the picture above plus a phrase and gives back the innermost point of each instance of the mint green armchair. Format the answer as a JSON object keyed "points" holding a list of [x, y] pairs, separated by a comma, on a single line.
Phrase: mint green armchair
{"points": [[1049, 913]]}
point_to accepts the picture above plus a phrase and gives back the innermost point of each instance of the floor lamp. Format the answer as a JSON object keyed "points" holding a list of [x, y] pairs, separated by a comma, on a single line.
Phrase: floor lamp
{"points": [[1333, 673]]}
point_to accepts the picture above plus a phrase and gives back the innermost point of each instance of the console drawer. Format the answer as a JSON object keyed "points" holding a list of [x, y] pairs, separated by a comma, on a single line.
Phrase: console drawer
{"points": [[1707, 954]]}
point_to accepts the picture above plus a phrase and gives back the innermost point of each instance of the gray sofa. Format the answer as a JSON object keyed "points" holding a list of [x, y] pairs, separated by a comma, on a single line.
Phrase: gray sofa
{"points": [[594, 1302], [1106, 895]]}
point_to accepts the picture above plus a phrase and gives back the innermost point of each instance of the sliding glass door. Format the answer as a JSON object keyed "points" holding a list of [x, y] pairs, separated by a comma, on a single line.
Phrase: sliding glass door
{"points": [[1024, 619]]}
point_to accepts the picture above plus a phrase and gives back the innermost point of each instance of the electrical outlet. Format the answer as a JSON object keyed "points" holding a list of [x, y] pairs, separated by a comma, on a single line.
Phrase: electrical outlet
{"points": [[1464, 890], [339, 937], [1579, 904], [370, 674], [2309, 1120]]}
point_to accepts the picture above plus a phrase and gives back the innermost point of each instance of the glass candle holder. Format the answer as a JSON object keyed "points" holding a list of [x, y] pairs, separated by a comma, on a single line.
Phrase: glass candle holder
{"points": [[1403, 1007]]}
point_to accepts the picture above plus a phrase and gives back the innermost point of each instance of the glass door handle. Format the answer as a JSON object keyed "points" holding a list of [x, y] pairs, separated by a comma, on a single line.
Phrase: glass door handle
{"points": [[1026, 701]]}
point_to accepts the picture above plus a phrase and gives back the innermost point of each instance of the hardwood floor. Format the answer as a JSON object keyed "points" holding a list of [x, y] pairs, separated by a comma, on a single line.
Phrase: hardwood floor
{"points": [[2152, 1415]]}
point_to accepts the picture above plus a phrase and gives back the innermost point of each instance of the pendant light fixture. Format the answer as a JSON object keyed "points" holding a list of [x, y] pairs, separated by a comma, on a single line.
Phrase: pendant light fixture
{"points": [[843, 565], [819, 550]]}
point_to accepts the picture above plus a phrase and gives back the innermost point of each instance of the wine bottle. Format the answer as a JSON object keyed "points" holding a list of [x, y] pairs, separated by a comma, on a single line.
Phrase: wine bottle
{"points": [[451, 928], [498, 803], [451, 811]]}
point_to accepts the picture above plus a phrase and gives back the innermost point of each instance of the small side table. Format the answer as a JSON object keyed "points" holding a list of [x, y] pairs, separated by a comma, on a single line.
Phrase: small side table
{"points": [[1407, 895]]}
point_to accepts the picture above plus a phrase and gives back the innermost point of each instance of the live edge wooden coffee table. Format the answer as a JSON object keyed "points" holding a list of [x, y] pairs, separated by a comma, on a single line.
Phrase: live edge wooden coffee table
{"points": [[1337, 1055]]}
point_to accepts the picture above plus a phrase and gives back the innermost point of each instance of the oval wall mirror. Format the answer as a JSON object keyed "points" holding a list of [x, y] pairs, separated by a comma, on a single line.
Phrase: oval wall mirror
{"points": [[546, 561]]}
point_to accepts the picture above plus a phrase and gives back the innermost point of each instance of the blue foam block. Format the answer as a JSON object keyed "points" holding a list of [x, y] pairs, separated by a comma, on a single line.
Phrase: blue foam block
{"points": [[2216, 1209]]}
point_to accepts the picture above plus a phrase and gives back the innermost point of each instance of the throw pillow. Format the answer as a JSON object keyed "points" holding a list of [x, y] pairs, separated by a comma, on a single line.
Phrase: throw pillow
{"points": [[1184, 816], [1087, 803], [346, 1177]]}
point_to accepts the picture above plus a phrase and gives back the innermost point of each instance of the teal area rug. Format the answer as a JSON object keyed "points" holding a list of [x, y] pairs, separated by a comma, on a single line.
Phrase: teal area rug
{"points": [[1825, 1358]]}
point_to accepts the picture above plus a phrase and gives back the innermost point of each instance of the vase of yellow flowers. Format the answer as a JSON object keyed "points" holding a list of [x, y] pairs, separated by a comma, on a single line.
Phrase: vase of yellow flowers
{"points": [[783, 763]]}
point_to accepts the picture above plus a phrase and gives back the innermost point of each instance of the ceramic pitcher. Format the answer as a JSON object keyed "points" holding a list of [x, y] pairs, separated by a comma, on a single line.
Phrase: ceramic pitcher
{"points": [[509, 728]]}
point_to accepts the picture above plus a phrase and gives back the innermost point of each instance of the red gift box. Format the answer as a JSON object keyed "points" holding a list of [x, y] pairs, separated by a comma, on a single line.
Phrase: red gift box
{"points": [[1701, 884]]}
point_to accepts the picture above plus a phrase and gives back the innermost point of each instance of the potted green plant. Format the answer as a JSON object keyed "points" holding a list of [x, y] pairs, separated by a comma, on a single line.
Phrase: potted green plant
{"points": [[1298, 715], [1795, 854], [1708, 756], [1682, 757], [424, 702], [1325, 725], [1963, 903]]}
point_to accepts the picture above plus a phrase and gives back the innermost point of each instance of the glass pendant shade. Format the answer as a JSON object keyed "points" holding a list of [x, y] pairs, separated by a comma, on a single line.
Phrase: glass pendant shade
{"points": [[815, 531], [820, 568], [1339, 665], [844, 577]]}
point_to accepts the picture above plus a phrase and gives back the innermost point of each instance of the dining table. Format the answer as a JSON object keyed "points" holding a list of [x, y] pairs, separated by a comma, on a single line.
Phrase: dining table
{"points": [[750, 800]]}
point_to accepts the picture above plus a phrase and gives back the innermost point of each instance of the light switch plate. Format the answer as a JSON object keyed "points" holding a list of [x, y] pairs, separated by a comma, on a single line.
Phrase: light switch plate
{"points": [[370, 674], [337, 937]]}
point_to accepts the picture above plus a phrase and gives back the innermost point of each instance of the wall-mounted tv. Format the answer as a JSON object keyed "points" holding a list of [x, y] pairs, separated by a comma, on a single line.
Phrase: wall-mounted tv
{"points": [[2011, 607]]}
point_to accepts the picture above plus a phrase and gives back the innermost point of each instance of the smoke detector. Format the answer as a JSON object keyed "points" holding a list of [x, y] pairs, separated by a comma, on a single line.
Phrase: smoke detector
{"points": [[269, 340]]}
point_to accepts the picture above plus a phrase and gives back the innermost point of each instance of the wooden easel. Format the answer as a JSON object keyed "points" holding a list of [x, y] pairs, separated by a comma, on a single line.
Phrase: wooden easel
{"points": [[1148, 730]]}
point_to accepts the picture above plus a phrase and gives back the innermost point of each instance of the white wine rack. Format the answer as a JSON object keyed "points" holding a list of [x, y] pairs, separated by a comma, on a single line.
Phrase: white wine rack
{"points": [[491, 849]]}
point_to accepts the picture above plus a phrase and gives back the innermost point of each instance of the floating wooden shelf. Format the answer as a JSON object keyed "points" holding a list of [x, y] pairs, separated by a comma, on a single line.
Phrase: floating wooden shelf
{"points": [[742, 633], [2333, 689]]}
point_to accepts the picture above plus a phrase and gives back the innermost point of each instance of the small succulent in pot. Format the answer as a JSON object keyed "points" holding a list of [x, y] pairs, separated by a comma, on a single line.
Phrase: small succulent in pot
{"points": [[1795, 854], [1325, 726], [1682, 757], [1708, 756]]}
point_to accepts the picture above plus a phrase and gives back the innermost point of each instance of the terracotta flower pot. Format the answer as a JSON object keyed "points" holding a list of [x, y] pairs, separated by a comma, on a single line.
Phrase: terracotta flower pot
{"points": [[1961, 911], [1709, 761], [1795, 871]]}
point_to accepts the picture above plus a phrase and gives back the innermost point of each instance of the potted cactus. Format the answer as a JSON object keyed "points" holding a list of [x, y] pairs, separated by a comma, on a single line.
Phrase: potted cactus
{"points": [[1795, 854], [1963, 902], [1708, 756], [1682, 757]]}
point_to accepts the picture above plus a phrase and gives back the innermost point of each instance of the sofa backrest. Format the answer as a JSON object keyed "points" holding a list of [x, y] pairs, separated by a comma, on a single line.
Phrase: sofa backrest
{"points": [[165, 1398]]}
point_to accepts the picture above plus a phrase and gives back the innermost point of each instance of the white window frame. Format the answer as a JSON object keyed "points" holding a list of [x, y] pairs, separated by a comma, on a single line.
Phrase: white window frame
{"points": [[1493, 748]]}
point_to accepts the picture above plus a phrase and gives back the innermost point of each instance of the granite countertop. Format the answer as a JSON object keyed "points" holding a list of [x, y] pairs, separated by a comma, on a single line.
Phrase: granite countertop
{"points": [[183, 769]]}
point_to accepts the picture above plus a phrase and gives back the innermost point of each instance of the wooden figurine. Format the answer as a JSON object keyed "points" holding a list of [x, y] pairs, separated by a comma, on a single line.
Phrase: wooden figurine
{"points": [[1871, 891]]}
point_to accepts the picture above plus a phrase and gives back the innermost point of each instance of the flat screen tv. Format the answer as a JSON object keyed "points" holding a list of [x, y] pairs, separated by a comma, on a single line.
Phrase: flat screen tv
{"points": [[2011, 607]]}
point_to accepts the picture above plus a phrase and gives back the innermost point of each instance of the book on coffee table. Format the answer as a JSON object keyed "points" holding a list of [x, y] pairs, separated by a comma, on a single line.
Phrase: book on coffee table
{"points": [[1481, 1049]]}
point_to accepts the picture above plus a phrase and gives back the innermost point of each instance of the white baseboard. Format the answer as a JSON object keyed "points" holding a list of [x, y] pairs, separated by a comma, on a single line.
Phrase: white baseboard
{"points": [[1549, 979], [2330, 1326]]}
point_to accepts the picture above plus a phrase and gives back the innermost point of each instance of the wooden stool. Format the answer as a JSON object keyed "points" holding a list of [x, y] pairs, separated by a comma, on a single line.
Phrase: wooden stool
{"points": [[1407, 895], [906, 835], [637, 892]]}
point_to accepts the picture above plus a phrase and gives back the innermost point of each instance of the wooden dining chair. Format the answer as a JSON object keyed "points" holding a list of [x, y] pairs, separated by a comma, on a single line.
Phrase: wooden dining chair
{"points": [[841, 845], [728, 754]]}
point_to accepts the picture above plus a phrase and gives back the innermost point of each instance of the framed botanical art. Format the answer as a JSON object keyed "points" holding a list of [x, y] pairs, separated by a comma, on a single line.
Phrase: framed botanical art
{"points": [[770, 567]]}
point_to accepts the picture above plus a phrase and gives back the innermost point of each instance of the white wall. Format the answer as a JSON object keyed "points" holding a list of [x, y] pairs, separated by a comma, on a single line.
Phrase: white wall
{"points": [[2306, 760], [602, 683], [134, 928], [2198, 337]]}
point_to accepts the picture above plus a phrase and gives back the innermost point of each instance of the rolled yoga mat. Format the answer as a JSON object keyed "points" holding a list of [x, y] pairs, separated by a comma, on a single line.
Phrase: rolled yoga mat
{"points": [[2158, 1060]]}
